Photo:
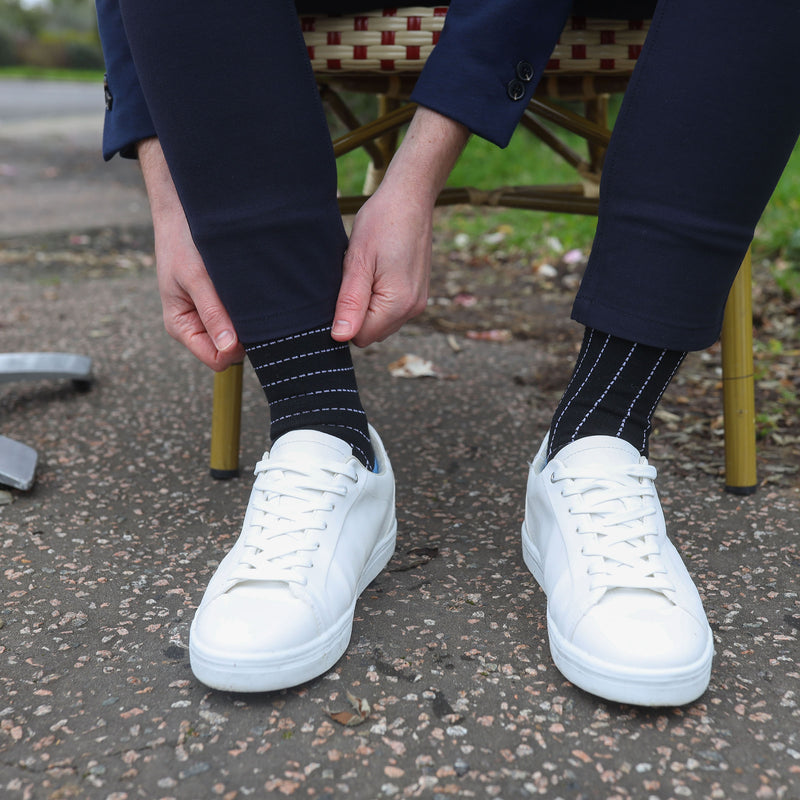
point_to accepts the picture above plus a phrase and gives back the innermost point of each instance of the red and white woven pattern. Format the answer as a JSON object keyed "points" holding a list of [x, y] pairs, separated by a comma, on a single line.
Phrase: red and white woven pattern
{"points": [[598, 45], [388, 40], [400, 40]]}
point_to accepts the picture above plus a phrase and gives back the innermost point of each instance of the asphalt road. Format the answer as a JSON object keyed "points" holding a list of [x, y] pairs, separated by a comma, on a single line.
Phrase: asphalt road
{"points": [[27, 100], [52, 176]]}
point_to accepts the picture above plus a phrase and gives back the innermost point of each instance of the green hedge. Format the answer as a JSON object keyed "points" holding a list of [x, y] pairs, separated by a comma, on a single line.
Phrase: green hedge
{"points": [[65, 50]]}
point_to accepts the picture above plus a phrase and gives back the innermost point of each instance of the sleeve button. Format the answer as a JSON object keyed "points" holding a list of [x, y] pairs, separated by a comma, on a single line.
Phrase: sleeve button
{"points": [[515, 89], [109, 98], [525, 71]]}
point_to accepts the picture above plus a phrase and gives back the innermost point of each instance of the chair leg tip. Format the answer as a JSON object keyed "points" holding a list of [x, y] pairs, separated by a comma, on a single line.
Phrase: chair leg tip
{"points": [[223, 474], [742, 490]]}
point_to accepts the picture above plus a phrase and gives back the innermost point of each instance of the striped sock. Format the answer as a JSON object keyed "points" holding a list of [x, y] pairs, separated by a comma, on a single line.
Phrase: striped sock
{"points": [[310, 383], [614, 391]]}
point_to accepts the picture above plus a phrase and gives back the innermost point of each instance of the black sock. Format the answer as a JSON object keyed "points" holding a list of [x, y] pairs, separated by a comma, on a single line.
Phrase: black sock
{"points": [[614, 391], [310, 383]]}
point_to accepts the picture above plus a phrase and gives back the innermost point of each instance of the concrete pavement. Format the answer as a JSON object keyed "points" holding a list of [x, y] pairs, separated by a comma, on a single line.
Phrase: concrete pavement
{"points": [[105, 559]]}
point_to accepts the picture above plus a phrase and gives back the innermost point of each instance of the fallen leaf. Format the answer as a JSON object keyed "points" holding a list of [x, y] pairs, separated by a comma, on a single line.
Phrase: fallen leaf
{"points": [[546, 271], [411, 366], [495, 335], [453, 342], [555, 244], [348, 718], [573, 257], [494, 238]]}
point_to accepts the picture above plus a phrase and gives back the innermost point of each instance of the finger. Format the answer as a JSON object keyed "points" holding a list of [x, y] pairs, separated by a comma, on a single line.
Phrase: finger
{"points": [[184, 324], [186, 328], [213, 316], [388, 314], [354, 297], [381, 321], [203, 348]]}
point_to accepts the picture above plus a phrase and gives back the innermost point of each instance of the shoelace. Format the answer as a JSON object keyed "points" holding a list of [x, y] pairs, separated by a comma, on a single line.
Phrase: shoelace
{"points": [[616, 512], [284, 528]]}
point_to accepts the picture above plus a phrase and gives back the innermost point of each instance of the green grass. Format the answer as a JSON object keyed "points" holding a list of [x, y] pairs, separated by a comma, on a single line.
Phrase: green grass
{"points": [[526, 160], [483, 165], [46, 73], [779, 229]]}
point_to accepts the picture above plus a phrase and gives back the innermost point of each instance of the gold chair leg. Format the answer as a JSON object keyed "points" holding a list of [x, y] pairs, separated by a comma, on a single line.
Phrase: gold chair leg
{"points": [[226, 423], [738, 386], [387, 144]]}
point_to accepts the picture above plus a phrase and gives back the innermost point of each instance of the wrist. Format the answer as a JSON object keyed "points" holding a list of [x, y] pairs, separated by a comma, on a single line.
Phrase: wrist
{"points": [[161, 192], [427, 154]]}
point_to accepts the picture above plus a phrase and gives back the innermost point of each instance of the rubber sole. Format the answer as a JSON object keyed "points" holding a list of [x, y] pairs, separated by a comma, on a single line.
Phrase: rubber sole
{"points": [[675, 686], [269, 672]]}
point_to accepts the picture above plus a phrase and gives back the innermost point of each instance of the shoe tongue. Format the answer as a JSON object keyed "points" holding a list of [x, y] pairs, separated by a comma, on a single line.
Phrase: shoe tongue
{"points": [[312, 445], [603, 451], [599, 456], [303, 448]]}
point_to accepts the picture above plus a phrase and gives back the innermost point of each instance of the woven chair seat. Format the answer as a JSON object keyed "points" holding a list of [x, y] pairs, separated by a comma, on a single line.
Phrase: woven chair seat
{"points": [[400, 41]]}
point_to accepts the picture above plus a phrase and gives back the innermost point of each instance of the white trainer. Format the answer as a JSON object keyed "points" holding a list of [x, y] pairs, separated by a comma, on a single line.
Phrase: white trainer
{"points": [[624, 619], [318, 529]]}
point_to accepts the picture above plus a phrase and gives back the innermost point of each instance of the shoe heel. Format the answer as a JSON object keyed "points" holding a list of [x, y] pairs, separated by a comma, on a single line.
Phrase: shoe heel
{"points": [[530, 555], [380, 558]]}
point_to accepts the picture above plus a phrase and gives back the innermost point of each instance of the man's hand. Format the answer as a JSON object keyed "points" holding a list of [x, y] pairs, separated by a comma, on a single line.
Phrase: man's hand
{"points": [[193, 312], [386, 268], [387, 265]]}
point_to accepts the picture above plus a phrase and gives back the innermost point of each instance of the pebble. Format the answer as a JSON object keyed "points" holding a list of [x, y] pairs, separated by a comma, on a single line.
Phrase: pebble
{"points": [[461, 767]]}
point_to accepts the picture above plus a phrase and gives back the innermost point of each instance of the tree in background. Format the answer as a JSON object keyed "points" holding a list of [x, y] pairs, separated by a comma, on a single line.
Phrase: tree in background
{"points": [[49, 33]]}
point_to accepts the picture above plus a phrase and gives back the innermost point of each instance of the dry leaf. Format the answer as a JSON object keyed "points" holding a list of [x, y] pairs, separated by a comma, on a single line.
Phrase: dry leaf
{"points": [[411, 366], [496, 335], [350, 719], [573, 257], [465, 300], [453, 342]]}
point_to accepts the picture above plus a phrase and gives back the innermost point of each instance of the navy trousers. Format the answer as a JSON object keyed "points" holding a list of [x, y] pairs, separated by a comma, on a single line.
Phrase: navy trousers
{"points": [[706, 128], [233, 99]]}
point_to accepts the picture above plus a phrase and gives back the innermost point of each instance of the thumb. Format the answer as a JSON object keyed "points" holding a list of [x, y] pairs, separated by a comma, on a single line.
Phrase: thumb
{"points": [[354, 298]]}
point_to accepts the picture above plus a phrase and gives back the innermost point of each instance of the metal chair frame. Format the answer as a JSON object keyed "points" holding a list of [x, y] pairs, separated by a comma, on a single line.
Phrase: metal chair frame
{"points": [[17, 460]]}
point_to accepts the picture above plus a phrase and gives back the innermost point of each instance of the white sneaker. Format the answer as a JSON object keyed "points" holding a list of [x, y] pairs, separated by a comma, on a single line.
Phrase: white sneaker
{"points": [[624, 619], [319, 528]]}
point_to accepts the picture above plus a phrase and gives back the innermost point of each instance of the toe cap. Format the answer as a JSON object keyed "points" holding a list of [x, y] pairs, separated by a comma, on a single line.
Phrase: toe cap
{"points": [[642, 630]]}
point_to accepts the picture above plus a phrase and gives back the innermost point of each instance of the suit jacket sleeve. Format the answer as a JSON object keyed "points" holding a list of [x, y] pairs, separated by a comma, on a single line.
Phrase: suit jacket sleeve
{"points": [[127, 120], [488, 61]]}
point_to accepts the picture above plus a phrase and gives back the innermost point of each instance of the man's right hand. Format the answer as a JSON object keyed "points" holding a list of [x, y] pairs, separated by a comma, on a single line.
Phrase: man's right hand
{"points": [[193, 313]]}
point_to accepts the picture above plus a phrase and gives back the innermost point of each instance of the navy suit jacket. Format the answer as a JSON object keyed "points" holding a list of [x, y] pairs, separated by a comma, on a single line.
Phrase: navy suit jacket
{"points": [[482, 73]]}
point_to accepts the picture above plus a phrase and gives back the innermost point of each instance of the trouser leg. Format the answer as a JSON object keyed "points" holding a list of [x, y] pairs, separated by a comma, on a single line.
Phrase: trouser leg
{"points": [[705, 130], [236, 108]]}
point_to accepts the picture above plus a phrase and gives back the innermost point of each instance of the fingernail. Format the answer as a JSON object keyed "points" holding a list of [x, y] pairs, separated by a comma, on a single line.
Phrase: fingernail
{"points": [[224, 340], [341, 327]]}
